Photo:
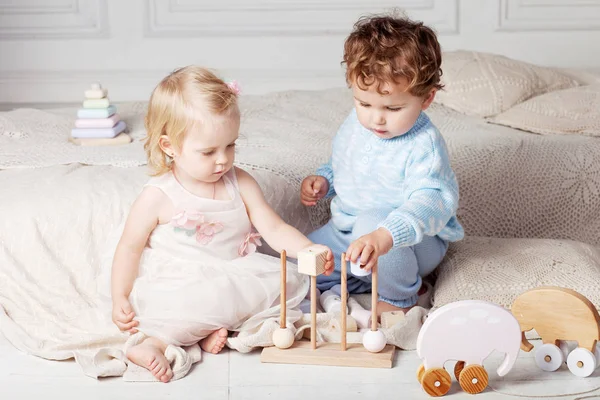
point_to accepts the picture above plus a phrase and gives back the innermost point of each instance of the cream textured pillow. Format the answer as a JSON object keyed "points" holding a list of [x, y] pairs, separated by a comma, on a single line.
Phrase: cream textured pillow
{"points": [[570, 111], [498, 270], [485, 84]]}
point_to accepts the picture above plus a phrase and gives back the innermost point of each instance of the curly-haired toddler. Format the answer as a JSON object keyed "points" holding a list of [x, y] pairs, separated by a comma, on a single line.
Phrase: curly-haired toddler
{"points": [[395, 195]]}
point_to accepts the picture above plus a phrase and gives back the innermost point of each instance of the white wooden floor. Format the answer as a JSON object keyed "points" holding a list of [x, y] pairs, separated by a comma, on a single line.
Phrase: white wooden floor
{"points": [[231, 375]]}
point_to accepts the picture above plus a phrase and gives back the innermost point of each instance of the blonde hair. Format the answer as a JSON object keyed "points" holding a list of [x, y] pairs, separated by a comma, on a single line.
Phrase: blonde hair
{"points": [[385, 48], [176, 105]]}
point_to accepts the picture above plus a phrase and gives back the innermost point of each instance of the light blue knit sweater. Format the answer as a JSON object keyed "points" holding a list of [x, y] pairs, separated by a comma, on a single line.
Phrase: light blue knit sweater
{"points": [[409, 174]]}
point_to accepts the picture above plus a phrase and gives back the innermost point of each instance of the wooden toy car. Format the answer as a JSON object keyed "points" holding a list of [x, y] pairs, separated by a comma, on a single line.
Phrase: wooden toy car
{"points": [[559, 315], [467, 331]]}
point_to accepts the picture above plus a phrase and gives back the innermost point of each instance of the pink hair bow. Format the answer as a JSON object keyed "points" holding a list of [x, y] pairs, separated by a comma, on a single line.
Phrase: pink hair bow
{"points": [[234, 86]]}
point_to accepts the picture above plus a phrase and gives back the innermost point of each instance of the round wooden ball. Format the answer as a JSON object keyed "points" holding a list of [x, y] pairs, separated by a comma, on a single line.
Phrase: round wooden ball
{"points": [[374, 341], [283, 338]]}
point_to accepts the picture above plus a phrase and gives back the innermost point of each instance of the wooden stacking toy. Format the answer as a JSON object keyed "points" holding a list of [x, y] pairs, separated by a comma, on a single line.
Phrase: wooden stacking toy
{"points": [[374, 353], [98, 123]]}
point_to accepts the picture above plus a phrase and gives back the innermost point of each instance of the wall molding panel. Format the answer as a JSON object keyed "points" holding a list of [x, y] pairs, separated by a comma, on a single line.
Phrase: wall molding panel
{"points": [[53, 19], [137, 84], [51, 50], [187, 18], [549, 15]]}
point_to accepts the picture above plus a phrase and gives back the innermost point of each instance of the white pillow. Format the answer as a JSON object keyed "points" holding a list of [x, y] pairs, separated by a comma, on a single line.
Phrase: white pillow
{"points": [[499, 270], [485, 84], [565, 112]]}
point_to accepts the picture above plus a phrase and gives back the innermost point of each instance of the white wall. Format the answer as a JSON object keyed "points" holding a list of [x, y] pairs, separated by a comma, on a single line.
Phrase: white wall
{"points": [[50, 50]]}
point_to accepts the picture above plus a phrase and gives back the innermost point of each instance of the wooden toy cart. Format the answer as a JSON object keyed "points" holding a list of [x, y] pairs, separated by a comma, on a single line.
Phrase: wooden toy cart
{"points": [[559, 315], [468, 332]]}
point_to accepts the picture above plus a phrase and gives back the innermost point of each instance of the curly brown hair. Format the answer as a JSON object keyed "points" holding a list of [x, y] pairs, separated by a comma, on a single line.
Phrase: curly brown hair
{"points": [[384, 49]]}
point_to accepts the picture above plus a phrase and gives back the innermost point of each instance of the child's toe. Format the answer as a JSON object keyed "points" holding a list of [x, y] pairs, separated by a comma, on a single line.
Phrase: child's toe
{"points": [[162, 374]]}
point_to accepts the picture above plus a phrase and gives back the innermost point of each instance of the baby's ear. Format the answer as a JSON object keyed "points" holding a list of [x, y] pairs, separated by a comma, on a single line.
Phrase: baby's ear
{"points": [[428, 100], [166, 145]]}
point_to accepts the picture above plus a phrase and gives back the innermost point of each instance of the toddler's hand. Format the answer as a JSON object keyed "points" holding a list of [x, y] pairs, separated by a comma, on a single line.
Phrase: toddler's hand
{"points": [[123, 314], [313, 188], [329, 263], [370, 247]]}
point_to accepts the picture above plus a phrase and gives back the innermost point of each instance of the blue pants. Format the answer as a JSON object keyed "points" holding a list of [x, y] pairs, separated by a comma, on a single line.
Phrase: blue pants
{"points": [[400, 270]]}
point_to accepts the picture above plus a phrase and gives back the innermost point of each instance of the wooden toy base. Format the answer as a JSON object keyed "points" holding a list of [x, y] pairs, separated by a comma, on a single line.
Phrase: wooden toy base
{"points": [[329, 354], [121, 138]]}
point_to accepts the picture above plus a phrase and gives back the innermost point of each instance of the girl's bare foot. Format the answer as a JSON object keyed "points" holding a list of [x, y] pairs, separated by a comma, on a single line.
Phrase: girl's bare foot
{"points": [[214, 342], [150, 354]]}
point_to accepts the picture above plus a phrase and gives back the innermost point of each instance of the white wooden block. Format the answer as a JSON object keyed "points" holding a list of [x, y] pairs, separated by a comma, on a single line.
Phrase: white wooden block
{"points": [[311, 261], [391, 318], [95, 92]]}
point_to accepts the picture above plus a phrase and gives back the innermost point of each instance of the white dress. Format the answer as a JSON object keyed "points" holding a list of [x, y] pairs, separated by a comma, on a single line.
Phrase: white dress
{"points": [[200, 272]]}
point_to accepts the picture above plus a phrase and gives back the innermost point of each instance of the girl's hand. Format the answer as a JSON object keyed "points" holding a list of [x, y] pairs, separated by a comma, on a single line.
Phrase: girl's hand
{"points": [[313, 188], [329, 263], [370, 247], [123, 314]]}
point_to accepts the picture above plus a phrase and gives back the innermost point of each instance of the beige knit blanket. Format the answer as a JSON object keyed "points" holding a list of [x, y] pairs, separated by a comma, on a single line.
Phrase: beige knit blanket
{"points": [[512, 183]]}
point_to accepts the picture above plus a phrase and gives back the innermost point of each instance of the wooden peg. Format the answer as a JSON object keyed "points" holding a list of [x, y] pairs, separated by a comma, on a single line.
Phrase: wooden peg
{"points": [[374, 297], [313, 312], [283, 294], [344, 301]]}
